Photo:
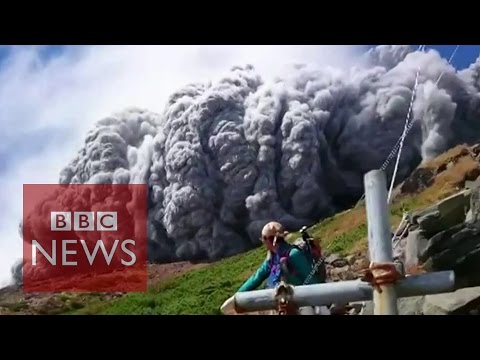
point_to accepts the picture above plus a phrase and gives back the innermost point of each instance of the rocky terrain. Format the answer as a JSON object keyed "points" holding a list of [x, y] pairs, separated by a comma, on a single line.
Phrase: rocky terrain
{"points": [[435, 211], [461, 302], [14, 301], [449, 228]]}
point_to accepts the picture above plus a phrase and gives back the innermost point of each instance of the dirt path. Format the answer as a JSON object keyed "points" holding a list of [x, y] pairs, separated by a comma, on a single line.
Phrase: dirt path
{"points": [[161, 272]]}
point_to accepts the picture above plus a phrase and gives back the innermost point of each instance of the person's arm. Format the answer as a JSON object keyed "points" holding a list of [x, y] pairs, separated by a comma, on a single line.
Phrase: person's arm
{"points": [[256, 279], [299, 262]]}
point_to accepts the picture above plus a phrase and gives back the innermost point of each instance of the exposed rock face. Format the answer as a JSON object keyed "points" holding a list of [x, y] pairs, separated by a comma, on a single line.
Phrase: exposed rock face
{"points": [[444, 236], [461, 302], [451, 240], [348, 268], [443, 215], [342, 273], [415, 244], [420, 179]]}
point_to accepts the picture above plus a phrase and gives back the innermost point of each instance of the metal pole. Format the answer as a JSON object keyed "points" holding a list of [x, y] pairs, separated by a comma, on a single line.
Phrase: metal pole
{"points": [[347, 291], [379, 241]]}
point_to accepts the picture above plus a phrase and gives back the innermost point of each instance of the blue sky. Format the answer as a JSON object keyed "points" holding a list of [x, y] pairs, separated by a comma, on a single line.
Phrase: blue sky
{"points": [[46, 52], [465, 55]]}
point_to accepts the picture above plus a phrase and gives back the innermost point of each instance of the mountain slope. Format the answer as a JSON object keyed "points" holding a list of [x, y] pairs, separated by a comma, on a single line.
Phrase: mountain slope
{"points": [[203, 289]]}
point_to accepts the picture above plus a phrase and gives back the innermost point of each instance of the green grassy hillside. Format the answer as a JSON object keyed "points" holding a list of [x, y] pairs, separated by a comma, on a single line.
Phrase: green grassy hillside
{"points": [[203, 291]]}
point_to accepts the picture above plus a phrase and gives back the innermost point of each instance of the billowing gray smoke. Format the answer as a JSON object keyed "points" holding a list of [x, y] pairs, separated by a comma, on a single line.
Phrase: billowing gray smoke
{"points": [[224, 158]]}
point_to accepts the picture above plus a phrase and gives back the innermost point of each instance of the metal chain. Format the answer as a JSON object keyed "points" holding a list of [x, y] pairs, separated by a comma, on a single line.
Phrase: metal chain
{"points": [[399, 238], [398, 145], [404, 218], [404, 134], [322, 258], [314, 270], [449, 62], [410, 125]]}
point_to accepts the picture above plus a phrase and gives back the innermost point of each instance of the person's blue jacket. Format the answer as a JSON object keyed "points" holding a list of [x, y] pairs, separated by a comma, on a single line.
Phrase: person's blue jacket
{"points": [[298, 262]]}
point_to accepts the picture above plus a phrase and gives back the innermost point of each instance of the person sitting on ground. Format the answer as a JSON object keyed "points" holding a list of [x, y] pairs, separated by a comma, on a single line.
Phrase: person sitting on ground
{"points": [[283, 262]]}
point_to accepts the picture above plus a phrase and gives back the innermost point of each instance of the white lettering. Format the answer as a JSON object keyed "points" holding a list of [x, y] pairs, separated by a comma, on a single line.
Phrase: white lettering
{"points": [[84, 221], [66, 252], [132, 255], [107, 221], [52, 260], [60, 221], [91, 257]]}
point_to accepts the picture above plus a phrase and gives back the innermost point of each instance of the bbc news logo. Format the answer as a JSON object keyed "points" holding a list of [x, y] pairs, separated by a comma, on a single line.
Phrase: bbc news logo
{"points": [[85, 238], [60, 221], [84, 221]]}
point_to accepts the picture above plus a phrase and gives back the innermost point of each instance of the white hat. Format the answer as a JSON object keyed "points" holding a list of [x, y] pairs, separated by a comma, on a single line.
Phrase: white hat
{"points": [[272, 229]]}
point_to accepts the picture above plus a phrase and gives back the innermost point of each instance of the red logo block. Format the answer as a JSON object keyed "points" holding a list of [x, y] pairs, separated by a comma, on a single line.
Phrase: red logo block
{"points": [[89, 238]]}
